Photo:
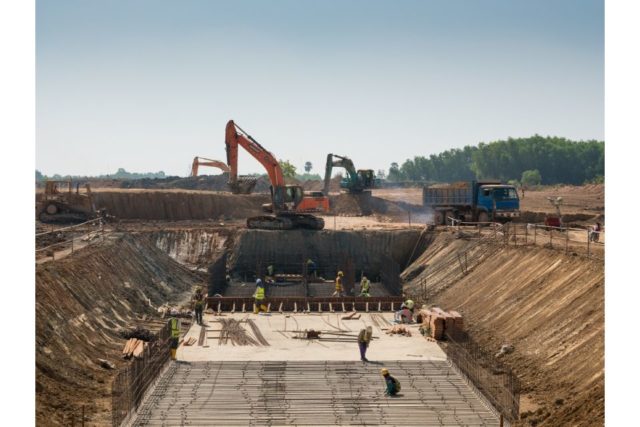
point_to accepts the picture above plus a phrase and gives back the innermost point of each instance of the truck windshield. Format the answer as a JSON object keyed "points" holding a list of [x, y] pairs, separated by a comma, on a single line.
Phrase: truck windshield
{"points": [[505, 193]]}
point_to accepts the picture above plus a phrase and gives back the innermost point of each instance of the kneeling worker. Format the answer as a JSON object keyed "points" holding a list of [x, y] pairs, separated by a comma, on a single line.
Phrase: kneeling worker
{"points": [[393, 385], [259, 295], [405, 314]]}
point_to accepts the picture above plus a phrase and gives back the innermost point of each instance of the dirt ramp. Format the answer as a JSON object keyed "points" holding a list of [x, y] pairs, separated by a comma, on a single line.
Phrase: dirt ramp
{"points": [[178, 205], [81, 303]]}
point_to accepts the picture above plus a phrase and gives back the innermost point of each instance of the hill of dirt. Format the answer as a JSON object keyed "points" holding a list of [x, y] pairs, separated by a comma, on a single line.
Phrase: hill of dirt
{"points": [[82, 301], [548, 305]]}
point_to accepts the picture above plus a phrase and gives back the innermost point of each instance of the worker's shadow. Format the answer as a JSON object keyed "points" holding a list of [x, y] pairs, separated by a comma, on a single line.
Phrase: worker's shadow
{"points": [[373, 362]]}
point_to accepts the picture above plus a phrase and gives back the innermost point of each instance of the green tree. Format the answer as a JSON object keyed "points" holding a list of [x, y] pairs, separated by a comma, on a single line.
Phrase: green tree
{"points": [[394, 172], [531, 177], [288, 170], [308, 166], [39, 176]]}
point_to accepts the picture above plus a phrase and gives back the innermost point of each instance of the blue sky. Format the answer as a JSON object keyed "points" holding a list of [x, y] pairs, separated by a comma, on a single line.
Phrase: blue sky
{"points": [[147, 85]]}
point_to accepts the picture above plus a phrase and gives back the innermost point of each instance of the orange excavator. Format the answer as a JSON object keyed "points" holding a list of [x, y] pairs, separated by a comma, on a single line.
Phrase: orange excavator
{"points": [[202, 161], [289, 204]]}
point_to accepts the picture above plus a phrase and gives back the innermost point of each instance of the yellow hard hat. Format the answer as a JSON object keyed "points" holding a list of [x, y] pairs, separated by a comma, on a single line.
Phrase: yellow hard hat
{"points": [[384, 371], [340, 273]]}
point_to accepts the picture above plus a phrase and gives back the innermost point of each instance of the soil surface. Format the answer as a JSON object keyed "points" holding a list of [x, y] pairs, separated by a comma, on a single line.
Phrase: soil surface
{"points": [[547, 304]]}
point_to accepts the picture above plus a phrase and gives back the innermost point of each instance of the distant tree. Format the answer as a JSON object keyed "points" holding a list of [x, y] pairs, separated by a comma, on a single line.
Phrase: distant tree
{"points": [[308, 166], [288, 170], [39, 176], [531, 177], [394, 172]]}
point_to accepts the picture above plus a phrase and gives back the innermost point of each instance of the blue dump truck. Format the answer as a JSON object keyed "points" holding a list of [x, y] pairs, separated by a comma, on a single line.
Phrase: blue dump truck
{"points": [[474, 201]]}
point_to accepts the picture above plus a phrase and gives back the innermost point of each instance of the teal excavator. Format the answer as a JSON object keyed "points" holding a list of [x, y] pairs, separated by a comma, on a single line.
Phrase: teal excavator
{"points": [[356, 181]]}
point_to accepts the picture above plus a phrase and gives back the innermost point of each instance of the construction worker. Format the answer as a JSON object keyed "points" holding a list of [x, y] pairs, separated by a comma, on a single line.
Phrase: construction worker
{"points": [[405, 314], [364, 338], [365, 284], [393, 385], [259, 295], [270, 270], [174, 323], [311, 268], [339, 289], [198, 305]]}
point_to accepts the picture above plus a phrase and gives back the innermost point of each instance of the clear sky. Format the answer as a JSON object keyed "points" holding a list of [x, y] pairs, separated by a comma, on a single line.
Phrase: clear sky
{"points": [[148, 84]]}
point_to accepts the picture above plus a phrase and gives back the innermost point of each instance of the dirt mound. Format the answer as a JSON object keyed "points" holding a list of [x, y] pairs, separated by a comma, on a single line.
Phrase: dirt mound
{"points": [[82, 302], [548, 305], [174, 205], [202, 182]]}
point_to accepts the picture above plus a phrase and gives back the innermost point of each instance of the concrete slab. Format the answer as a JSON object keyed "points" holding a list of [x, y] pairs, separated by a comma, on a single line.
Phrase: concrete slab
{"points": [[278, 330]]}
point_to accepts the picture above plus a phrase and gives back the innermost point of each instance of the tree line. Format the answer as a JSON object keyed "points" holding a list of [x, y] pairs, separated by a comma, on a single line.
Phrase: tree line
{"points": [[534, 160]]}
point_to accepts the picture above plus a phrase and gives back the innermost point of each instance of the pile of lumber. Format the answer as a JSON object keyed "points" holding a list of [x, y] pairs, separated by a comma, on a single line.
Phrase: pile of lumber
{"points": [[189, 341], [134, 347], [437, 321], [399, 330], [352, 316]]}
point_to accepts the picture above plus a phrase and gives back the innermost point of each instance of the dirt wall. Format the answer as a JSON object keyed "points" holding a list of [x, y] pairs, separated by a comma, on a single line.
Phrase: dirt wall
{"points": [[194, 247], [178, 205], [81, 303], [367, 250], [548, 305]]}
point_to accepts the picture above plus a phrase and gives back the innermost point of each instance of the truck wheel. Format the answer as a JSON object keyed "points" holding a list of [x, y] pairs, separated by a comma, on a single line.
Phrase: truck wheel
{"points": [[483, 217]]}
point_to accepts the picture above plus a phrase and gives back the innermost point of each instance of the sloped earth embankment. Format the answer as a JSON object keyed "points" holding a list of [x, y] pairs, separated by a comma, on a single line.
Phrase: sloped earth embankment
{"points": [[548, 305], [81, 303]]}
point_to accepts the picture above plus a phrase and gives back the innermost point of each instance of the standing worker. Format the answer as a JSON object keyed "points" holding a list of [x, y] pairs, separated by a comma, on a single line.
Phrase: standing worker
{"points": [[393, 385], [339, 289], [174, 323], [198, 305], [364, 338], [259, 295], [311, 268], [270, 270], [365, 284]]}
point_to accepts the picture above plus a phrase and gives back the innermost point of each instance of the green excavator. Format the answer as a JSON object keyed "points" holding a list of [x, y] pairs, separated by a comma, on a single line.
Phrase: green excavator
{"points": [[356, 181]]}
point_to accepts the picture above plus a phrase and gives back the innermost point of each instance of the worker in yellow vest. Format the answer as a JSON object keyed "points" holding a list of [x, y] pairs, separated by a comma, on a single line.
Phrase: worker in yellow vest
{"points": [[174, 324], [339, 289], [365, 284], [259, 295]]}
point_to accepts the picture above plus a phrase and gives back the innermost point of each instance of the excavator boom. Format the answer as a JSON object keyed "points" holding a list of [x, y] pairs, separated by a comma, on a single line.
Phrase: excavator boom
{"points": [[203, 161], [288, 202]]}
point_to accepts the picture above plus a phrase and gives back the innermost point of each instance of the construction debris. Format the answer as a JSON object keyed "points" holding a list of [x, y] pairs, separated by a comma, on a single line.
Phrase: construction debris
{"points": [[352, 316], [106, 364], [399, 330], [189, 341], [139, 333], [134, 347]]}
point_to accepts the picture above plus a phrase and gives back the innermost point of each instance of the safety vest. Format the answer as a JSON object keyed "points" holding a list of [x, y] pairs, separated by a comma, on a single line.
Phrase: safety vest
{"points": [[339, 284], [175, 328], [260, 293], [365, 285]]}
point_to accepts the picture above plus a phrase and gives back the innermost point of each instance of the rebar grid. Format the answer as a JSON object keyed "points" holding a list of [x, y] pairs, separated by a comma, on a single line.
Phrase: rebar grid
{"points": [[313, 394]]}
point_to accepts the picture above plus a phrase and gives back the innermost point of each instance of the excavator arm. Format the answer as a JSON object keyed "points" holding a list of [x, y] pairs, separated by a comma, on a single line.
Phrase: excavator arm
{"points": [[202, 161], [342, 162], [235, 137]]}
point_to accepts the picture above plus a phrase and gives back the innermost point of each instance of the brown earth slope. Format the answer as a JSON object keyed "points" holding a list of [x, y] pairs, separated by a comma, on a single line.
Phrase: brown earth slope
{"points": [[81, 303], [549, 305]]}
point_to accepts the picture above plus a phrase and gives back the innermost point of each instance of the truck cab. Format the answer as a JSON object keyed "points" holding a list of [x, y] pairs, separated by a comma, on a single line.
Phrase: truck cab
{"points": [[499, 201]]}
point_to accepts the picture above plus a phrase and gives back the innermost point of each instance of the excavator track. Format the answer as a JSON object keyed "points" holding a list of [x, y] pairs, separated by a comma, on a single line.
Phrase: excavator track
{"points": [[286, 222]]}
